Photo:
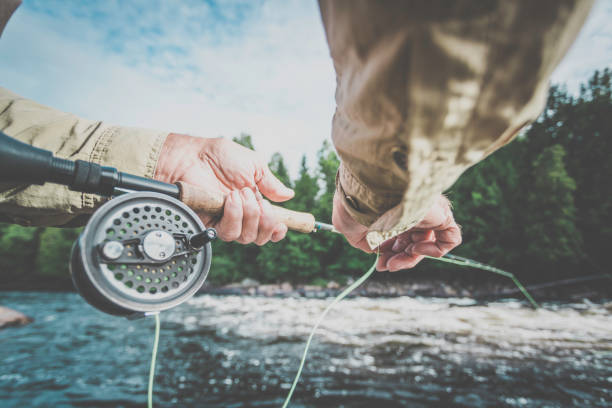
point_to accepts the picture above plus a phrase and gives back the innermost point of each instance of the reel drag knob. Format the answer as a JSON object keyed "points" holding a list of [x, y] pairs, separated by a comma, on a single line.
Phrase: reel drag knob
{"points": [[141, 253], [158, 245]]}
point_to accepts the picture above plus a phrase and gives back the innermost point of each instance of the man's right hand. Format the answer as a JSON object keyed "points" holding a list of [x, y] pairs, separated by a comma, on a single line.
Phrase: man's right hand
{"points": [[222, 166]]}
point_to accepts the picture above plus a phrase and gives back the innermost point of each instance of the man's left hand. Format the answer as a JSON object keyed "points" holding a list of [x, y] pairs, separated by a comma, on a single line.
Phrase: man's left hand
{"points": [[435, 235]]}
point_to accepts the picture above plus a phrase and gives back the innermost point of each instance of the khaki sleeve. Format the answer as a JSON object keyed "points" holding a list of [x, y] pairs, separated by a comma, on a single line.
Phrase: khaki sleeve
{"points": [[426, 89], [128, 149]]}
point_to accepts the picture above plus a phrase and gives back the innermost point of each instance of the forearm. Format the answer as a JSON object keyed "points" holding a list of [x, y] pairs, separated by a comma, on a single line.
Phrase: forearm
{"points": [[425, 90], [130, 150]]}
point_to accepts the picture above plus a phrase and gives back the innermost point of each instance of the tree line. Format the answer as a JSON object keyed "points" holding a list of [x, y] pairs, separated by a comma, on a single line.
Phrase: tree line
{"points": [[538, 207]]}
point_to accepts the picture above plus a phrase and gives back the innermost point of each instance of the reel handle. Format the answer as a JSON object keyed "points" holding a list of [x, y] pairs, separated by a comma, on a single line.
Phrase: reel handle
{"points": [[209, 203]]}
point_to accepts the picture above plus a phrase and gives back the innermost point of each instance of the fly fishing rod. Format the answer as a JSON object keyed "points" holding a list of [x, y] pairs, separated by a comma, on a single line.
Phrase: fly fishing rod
{"points": [[144, 250]]}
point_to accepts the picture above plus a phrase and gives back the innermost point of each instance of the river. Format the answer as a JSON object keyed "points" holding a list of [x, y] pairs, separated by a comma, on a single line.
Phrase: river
{"points": [[244, 351]]}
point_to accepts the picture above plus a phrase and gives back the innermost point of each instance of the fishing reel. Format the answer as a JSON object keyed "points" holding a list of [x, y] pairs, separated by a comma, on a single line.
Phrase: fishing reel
{"points": [[140, 253]]}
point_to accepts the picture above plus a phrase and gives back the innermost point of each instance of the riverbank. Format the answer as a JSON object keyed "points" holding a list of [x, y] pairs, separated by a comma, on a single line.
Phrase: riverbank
{"points": [[593, 287]]}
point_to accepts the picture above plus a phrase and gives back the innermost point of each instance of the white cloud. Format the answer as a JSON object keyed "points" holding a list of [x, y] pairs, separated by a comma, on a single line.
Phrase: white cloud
{"points": [[592, 49]]}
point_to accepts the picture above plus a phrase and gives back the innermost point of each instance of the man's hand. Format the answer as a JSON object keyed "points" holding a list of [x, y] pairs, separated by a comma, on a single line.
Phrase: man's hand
{"points": [[222, 166], [435, 235]]}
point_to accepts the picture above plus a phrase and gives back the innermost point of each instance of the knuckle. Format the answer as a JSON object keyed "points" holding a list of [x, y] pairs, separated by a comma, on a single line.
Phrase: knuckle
{"points": [[261, 241], [267, 223], [228, 236], [251, 209], [248, 236]]}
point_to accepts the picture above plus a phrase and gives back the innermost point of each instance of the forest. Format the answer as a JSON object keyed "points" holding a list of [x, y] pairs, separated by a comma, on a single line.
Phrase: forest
{"points": [[538, 207]]}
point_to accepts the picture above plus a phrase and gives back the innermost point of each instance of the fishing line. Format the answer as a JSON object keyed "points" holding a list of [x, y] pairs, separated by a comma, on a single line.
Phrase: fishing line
{"points": [[338, 298], [453, 259], [153, 359], [457, 260]]}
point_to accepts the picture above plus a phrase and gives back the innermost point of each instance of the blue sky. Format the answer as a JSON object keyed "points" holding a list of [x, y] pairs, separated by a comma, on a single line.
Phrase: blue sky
{"points": [[205, 68]]}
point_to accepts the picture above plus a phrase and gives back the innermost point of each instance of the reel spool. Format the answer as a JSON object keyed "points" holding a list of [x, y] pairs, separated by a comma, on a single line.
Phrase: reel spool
{"points": [[140, 253]]}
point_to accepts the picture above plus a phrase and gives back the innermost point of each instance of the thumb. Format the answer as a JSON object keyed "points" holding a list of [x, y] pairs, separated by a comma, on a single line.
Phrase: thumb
{"points": [[273, 188]]}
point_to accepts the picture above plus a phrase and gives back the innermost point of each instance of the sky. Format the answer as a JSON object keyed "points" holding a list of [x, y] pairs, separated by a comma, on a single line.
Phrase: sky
{"points": [[206, 68]]}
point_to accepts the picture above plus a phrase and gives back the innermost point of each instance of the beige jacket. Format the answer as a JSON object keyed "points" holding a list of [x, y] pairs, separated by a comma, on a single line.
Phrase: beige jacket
{"points": [[425, 89]]}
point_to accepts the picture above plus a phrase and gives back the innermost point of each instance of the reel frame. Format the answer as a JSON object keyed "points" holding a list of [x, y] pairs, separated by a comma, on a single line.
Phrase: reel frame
{"points": [[138, 281]]}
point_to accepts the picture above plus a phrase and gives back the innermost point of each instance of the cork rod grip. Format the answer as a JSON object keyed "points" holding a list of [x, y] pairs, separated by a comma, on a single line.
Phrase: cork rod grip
{"points": [[202, 201]]}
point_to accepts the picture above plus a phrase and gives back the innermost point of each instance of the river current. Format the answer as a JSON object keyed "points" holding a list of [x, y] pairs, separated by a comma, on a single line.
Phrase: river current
{"points": [[244, 351]]}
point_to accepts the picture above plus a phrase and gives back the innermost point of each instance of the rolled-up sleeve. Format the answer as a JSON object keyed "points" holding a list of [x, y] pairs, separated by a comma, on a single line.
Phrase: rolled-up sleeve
{"points": [[426, 89], [130, 150]]}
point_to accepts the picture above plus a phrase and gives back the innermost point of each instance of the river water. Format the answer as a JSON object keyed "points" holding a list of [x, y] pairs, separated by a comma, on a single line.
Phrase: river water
{"points": [[244, 351]]}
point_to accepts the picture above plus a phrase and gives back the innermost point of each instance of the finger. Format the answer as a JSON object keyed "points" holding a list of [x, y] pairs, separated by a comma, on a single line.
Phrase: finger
{"points": [[279, 233], [418, 236], [409, 248], [403, 261], [355, 233], [401, 242], [387, 245], [446, 240], [250, 219], [267, 222], [438, 216], [229, 226], [364, 246], [273, 188], [383, 258]]}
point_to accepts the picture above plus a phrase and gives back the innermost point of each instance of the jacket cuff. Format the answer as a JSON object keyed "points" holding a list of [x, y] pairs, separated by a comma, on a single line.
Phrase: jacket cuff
{"points": [[364, 203], [386, 215], [350, 190]]}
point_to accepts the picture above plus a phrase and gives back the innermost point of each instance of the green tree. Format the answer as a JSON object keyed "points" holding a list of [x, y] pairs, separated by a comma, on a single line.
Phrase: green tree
{"points": [[485, 205], [245, 140], [550, 222], [18, 248], [306, 189], [53, 255], [294, 258], [279, 169]]}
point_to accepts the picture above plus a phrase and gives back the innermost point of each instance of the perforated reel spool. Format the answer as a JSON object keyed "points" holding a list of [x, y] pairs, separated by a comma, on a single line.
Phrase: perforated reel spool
{"points": [[125, 262]]}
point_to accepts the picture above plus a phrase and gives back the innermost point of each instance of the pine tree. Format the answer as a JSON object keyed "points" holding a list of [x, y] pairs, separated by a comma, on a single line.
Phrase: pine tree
{"points": [[279, 169], [245, 140], [550, 222], [53, 255]]}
